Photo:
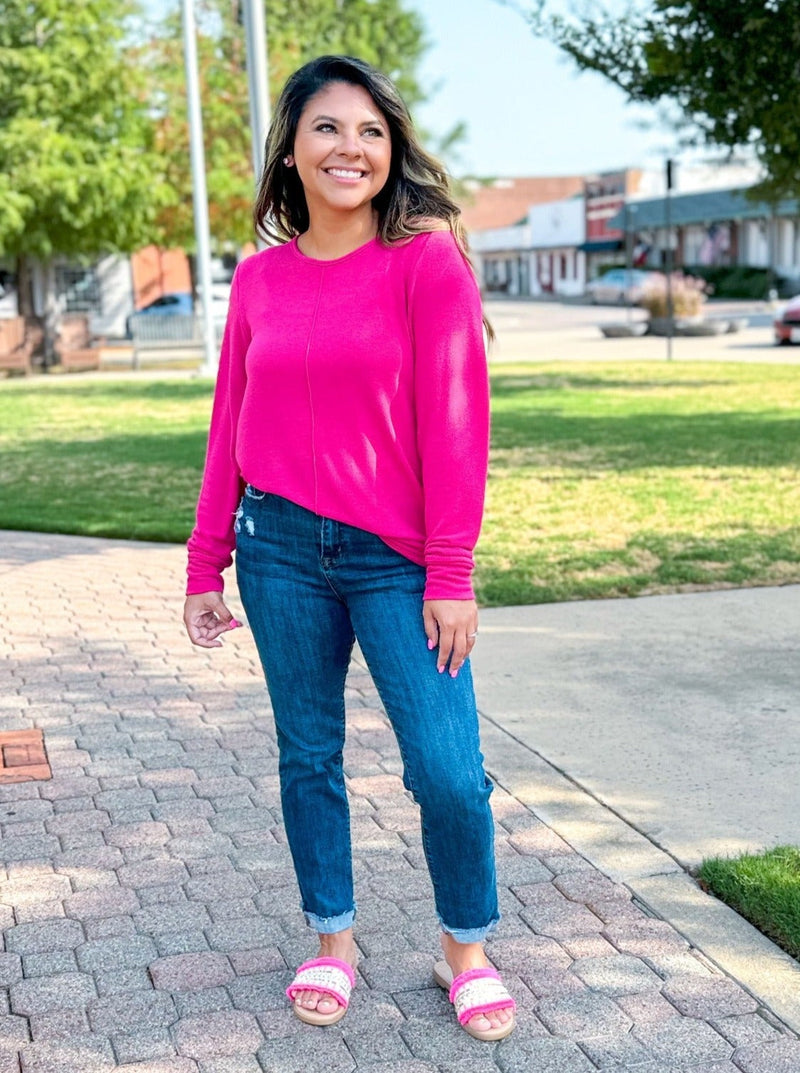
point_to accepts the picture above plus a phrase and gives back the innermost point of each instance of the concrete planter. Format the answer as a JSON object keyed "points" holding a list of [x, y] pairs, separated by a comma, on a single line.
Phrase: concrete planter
{"points": [[624, 331], [705, 327], [688, 326]]}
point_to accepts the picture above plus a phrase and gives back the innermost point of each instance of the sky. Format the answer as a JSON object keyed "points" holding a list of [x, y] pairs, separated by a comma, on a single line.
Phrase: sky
{"points": [[528, 110]]}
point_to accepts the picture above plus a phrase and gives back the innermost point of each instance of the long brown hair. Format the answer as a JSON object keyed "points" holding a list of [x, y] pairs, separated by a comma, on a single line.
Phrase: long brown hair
{"points": [[416, 197]]}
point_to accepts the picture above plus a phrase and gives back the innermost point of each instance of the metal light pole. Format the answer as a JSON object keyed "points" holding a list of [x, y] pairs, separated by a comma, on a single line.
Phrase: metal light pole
{"points": [[629, 212], [255, 32], [199, 191], [670, 263]]}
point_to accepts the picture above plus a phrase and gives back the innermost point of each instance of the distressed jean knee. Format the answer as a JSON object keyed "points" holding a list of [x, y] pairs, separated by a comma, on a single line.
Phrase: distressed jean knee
{"points": [[241, 519], [249, 524]]}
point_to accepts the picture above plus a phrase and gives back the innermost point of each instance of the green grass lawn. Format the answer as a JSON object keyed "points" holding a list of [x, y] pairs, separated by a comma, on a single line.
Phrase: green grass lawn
{"points": [[629, 479], [606, 479], [764, 888]]}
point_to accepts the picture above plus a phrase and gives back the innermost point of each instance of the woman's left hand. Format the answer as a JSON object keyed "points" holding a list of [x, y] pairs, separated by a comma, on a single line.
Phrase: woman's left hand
{"points": [[453, 625]]}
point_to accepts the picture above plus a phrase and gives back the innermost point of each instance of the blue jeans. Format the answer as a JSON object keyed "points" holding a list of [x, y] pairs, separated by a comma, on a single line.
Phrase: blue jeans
{"points": [[310, 586]]}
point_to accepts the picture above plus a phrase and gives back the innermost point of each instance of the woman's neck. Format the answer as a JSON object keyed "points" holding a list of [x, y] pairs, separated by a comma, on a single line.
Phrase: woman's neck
{"points": [[327, 239]]}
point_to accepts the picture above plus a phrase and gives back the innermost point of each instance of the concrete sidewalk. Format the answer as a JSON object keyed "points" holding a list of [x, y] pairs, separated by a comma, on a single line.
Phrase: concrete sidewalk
{"points": [[148, 903]]}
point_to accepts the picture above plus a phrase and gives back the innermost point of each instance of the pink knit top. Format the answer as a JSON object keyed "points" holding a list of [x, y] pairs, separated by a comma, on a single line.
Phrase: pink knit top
{"points": [[358, 389]]}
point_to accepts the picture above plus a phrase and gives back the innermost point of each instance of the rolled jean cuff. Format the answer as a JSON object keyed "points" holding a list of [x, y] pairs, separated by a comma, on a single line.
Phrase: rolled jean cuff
{"points": [[471, 935], [329, 925]]}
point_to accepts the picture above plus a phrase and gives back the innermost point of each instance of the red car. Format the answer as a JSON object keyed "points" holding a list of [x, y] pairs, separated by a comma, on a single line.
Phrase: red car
{"points": [[787, 323]]}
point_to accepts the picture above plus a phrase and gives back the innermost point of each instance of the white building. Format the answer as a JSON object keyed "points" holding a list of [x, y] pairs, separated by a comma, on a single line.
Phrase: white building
{"points": [[537, 257], [557, 263], [563, 241]]}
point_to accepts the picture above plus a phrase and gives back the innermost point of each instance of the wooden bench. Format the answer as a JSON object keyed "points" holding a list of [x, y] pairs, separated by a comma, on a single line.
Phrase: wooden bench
{"points": [[15, 351], [75, 345]]}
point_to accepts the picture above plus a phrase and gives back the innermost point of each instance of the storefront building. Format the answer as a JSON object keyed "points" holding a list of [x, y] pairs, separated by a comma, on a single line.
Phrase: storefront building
{"points": [[715, 227]]}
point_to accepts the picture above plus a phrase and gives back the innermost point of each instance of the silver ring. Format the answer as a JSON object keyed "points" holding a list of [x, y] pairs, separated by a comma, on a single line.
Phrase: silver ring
{"points": [[470, 636]]}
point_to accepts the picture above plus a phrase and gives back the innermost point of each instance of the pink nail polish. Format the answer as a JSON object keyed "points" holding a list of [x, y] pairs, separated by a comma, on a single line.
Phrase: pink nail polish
{"points": [[234, 624], [431, 645], [454, 674], [440, 670]]}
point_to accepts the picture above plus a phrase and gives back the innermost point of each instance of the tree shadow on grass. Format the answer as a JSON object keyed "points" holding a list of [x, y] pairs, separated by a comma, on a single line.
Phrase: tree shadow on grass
{"points": [[637, 441], [648, 562], [81, 390], [130, 487], [510, 384]]}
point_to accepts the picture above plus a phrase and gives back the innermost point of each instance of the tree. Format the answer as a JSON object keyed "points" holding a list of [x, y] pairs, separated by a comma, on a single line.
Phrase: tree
{"points": [[382, 32], [732, 67], [78, 175]]}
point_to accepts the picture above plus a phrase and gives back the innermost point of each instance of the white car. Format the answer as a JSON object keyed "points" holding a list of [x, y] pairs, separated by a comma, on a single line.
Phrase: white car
{"points": [[620, 286]]}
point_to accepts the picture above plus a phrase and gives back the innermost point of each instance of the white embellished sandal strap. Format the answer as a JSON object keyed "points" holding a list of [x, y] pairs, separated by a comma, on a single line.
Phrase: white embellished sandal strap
{"points": [[479, 991], [329, 976]]}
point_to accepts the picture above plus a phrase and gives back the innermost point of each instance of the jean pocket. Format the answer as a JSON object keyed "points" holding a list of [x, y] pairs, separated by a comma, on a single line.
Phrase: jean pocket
{"points": [[251, 492]]}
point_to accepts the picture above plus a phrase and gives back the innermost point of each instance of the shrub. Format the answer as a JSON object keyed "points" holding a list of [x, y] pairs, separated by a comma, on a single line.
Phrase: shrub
{"points": [[735, 281], [688, 295]]}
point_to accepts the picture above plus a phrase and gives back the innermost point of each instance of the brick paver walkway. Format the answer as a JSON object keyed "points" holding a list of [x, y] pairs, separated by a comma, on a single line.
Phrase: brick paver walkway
{"points": [[147, 898]]}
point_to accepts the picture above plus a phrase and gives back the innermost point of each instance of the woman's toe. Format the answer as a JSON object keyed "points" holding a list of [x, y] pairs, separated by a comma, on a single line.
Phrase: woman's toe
{"points": [[313, 1000], [483, 1022]]}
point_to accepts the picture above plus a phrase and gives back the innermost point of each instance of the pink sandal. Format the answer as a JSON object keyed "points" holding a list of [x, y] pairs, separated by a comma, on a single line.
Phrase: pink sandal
{"points": [[474, 992], [328, 976]]}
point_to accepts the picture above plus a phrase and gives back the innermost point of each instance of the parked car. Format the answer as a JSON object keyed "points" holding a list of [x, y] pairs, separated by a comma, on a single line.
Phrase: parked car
{"points": [[181, 303], [787, 323], [167, 303], [618, 285]]}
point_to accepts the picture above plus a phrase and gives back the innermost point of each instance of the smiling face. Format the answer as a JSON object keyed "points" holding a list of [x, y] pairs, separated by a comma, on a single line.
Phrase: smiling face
{"points": [[342, 150]]}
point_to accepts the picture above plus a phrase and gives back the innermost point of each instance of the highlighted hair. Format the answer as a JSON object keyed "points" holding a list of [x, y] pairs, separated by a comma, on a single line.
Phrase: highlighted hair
{"points": [[417, 196]]}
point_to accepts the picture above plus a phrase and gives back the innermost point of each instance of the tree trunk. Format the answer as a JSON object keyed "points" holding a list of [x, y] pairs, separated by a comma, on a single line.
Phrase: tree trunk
{"points": [[26, 307], [48, 271], [24, 287]]}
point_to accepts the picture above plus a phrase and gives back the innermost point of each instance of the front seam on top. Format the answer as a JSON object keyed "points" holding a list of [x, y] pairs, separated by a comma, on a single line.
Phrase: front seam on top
{"points": [[308, 386]]}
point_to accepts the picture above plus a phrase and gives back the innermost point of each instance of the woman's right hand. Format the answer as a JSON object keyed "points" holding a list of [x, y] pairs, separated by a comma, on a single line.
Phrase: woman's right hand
{"points": [[205, 617]]}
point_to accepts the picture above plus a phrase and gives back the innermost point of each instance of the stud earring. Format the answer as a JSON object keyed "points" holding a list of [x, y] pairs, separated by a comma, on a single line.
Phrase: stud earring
{"points": [[287, 161]]}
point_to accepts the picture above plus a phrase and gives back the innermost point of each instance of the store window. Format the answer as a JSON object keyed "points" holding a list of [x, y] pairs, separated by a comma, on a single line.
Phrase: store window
{"points": [[79, 289]]}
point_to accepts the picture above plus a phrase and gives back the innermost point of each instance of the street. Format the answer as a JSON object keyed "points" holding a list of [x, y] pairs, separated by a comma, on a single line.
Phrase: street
{"points": [[529, 330]]}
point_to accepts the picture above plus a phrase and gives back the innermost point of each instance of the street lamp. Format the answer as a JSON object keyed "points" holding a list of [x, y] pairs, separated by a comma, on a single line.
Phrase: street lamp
{"points": [[630, 228], [199, 191], [670, 262], [256, 43], [255, 33]]}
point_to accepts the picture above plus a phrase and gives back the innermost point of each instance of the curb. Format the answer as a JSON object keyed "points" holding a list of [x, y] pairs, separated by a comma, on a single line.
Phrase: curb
{"points": [[655, 878]]}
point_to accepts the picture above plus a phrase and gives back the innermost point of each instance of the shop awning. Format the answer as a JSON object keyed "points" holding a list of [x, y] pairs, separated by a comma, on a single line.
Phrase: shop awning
{"points": [[601, 245], [709, 206]]}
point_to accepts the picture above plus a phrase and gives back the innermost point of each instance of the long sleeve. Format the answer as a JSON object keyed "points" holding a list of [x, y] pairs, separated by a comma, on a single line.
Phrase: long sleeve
{"points": [[452, 410], [212, 541]]}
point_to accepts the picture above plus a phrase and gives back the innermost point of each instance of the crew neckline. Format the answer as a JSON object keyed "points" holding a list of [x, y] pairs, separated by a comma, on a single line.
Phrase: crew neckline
{"points": [[334, 260]]}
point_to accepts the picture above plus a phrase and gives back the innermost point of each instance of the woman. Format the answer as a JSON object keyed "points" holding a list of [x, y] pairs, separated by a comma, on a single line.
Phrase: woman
{"points": [[346, 463]]}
